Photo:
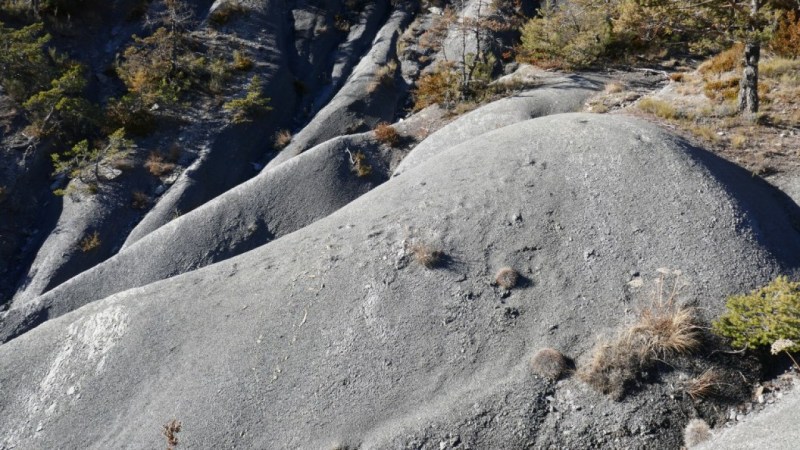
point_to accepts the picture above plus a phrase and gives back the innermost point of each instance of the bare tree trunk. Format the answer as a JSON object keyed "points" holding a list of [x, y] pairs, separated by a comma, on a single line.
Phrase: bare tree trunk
{"points": [[748, 87]]}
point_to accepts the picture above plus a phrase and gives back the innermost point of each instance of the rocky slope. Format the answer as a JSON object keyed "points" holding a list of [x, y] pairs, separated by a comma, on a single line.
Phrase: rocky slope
{"points": [[274, 298], [334, 335]]}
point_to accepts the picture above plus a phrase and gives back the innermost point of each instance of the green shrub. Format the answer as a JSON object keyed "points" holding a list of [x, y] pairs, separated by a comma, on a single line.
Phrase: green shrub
{"points": [[156, 68], [83, 160], [763, 316], [254, 104], [241, 61], [62, 107], [25, 66], [573, 34], [131, 113]]}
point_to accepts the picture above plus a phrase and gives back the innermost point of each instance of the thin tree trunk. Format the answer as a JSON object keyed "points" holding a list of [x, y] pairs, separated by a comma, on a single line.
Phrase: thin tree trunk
{"points": [[748, 87]]}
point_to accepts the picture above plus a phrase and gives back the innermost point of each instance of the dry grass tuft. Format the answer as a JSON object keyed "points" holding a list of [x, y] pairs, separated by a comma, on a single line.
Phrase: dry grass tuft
{"points": [[662, 331], [282, 139], [614, 88], [696, 432], [426, 255], [724, 89], [386, 134], [157, 166], [776, 67], [658, 108], [170, 432], [703, 386], [384, 76], [90, 242], [723, 62], [506, 278], [140, 200], [739, 141], [677, 77], [610, 370], [549, 363]]}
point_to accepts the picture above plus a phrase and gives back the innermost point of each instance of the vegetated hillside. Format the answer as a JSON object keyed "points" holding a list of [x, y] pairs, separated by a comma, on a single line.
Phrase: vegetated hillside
{"points": [[334, 224], [379, 326]]}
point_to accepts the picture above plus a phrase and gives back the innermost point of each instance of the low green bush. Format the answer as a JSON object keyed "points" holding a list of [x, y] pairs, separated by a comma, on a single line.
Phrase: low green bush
{"points": [[763, 316], [254, 104]]}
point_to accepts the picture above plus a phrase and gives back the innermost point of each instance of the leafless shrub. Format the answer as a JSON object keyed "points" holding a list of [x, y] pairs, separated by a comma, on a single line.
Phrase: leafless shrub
{"points": [[696, 432], [386, 134], [549, 363], [427, 255], [506, 278], [157, 166], [140, 200], [170, 432]]}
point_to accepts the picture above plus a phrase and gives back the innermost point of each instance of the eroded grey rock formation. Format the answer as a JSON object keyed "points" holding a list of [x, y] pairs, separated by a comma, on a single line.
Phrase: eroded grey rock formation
{"points": [[334, 335]]}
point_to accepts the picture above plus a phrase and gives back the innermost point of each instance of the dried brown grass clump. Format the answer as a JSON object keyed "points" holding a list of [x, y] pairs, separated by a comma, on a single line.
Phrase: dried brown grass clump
{"points": [[725, 61], [662, 331], [659, 108], [549, 363], [386, 134], [704, 386], [506, 278], [440, 86], [696, 432], [614, 88], [725, 89], [170, 432], [90, 242], [610, 370], [426, 255], [384, 76], [139, 200], [157, 165], [786, 39], [282, 139]]}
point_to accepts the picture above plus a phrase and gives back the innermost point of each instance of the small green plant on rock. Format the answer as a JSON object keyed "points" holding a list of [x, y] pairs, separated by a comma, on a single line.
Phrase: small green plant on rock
{"points": [[763, 316], [254, 104], [359, 162], [83, 161], [241, 61]]}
